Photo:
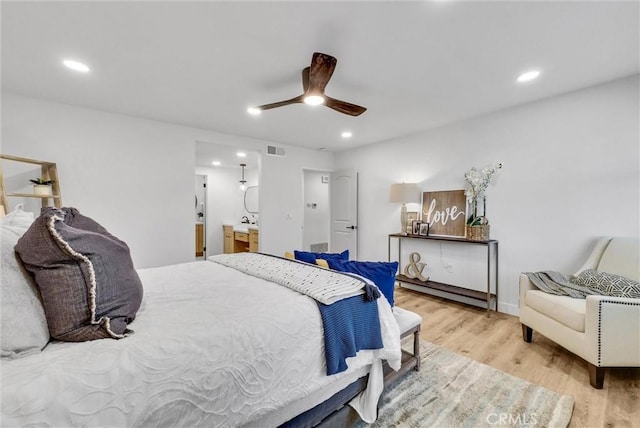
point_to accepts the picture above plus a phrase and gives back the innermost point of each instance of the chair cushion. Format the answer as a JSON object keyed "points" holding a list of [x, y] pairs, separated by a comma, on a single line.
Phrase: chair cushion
{"points": [[406, 319], [564, 309]]}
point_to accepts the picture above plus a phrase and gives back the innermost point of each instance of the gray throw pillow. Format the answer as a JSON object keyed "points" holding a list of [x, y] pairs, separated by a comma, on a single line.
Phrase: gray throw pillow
{"points": [[89, 287], [608, 284]]}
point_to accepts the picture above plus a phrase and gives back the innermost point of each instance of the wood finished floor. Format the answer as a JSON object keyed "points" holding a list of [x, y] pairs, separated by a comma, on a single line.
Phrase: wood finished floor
{"points": [[497, 342]]}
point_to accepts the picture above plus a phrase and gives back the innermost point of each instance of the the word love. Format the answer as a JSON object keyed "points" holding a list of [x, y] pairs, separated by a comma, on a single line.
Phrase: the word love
{"points": [[435, 216]]}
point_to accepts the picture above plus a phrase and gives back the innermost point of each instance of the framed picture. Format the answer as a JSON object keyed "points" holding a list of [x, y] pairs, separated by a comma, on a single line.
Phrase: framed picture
{"points": [[445, 212], [415, 230], [411, 216], [424, 229]]}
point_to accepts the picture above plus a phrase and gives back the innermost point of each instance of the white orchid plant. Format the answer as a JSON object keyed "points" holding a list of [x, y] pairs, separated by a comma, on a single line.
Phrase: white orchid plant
{"points": [[479, 181]]}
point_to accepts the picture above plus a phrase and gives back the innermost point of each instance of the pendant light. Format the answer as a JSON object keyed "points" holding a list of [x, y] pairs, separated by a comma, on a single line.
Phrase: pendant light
{"points": [[243, 182]]}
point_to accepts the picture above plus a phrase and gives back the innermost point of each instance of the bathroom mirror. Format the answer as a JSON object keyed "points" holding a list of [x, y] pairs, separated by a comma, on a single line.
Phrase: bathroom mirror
{"points": [[251, 198]]}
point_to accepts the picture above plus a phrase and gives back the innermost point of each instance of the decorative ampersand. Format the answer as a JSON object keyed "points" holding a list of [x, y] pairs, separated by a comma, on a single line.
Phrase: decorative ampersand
{"points": [[414, 268]]}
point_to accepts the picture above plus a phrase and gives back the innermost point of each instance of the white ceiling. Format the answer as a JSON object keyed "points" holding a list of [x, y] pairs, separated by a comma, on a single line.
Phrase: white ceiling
{"points": [[207, 152], [414, 65]]}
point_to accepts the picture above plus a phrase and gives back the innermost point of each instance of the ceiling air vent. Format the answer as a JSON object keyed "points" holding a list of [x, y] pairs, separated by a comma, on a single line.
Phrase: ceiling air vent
{"points": [[275, 151]]}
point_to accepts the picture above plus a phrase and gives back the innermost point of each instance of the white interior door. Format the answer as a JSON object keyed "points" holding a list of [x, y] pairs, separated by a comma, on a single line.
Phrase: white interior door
{"points": [[344, 212]]}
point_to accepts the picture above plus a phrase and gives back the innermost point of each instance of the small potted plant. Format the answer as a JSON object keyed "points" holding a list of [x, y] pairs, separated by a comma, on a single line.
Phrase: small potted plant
{"points": [[42, 187]]}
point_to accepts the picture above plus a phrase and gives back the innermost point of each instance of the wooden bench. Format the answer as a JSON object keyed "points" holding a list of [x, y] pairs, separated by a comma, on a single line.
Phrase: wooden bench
{"points": [[409, 324]]}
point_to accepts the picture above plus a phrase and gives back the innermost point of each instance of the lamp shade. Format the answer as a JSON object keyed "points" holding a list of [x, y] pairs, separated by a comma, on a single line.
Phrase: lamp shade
{"points": [[404, 193]]}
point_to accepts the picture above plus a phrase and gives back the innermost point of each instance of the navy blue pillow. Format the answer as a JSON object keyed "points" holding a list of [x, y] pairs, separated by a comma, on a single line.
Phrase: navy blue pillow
{"points": [[383, 274], [305, 256]]}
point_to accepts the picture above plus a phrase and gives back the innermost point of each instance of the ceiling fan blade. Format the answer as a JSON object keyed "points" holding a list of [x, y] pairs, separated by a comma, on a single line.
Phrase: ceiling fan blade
{"points": [[322, 66], [305, 79], [344, 107], [295, 100]]}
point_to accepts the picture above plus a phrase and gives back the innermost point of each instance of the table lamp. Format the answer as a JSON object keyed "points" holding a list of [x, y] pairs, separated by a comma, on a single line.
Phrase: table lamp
{"points": [[404, 193]]}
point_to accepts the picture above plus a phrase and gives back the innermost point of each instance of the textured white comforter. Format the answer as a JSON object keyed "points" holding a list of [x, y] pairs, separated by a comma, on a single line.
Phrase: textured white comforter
{"points": [[212, 347]]}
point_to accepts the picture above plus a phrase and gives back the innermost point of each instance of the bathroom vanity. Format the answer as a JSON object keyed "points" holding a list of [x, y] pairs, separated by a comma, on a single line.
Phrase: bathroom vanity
{"points": [[240, 238]]}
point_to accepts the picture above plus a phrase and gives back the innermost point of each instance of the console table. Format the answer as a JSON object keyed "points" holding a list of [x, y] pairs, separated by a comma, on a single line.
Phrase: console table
{"points": [[492, 249]]}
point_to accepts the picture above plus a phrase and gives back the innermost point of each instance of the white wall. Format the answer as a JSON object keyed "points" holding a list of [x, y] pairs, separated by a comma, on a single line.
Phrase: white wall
{"points": [[571, 174], [135, 176], [281, 190]]}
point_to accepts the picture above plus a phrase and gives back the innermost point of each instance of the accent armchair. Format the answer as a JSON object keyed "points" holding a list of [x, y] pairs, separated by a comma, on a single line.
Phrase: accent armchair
{"points": [[604, 331]]}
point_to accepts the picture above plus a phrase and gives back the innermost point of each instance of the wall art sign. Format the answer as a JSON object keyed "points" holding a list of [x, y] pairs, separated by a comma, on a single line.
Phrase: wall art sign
{"points": [[445, 211]]}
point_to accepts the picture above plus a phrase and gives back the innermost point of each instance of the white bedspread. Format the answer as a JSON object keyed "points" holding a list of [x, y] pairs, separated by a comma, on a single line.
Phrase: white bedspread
{"points": [[212, 348]]}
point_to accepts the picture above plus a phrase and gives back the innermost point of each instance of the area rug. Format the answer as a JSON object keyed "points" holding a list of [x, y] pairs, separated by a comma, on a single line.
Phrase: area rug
{"points": [[451, 390]]}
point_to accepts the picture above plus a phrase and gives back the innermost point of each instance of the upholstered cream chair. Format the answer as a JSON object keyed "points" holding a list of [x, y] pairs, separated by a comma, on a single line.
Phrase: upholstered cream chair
{"points": [[604, 331]]}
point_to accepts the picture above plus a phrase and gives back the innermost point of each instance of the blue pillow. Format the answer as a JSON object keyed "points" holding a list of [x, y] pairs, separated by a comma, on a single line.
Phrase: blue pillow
{"points": [[305, 256], [383, 274]]}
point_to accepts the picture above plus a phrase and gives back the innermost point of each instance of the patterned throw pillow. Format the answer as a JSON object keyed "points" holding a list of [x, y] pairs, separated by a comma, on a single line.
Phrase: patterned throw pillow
{"points": [[608, 284], [90, 289]]}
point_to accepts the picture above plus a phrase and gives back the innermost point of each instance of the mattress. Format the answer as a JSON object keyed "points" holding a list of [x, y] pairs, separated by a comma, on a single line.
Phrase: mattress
{"points": [[212, 347]]}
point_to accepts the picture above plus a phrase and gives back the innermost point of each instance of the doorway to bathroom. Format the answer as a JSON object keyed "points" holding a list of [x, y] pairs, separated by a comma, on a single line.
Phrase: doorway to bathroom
{"points": [[201, 216], [227, 182]]}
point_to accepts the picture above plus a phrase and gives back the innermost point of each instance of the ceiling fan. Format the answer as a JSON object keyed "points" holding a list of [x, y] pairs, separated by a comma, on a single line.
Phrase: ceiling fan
{"points": [[314, 80]]}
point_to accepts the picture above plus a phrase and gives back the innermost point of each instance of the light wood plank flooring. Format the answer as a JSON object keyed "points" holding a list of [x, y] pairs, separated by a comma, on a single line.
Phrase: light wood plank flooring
{"points": [[497, 342]]}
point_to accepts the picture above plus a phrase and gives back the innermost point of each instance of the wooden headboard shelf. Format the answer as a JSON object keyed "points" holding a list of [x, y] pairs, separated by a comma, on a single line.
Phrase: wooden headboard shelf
{"points": [[48, 171]]}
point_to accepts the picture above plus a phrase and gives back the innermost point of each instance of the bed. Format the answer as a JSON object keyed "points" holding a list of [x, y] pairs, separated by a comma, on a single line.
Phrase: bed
{"points": [[211, 346]]}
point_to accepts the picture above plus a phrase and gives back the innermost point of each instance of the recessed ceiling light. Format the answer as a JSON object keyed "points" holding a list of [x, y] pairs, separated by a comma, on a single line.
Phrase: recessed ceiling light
{"points": [[76, 66], [347, 134], [254, 111], [216, 163], [241, 154], [528, 76]]}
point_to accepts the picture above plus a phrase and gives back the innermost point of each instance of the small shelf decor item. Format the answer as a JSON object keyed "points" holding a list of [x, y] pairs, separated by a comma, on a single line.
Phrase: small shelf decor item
{"points": [[477, 226], [42, 187], [424, 229], [411, 216], [414, 268], [479, 231]]}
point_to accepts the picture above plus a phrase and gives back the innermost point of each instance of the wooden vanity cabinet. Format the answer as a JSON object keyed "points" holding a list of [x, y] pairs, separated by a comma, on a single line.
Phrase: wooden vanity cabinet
{"points": [[199, 239], [228, 243], [253, 240], [239, 242]]}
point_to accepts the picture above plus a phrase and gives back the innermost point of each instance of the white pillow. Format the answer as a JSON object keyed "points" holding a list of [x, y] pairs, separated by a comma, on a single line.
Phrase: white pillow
{"points": [[18, 218], [17, 221], [23, 325]]}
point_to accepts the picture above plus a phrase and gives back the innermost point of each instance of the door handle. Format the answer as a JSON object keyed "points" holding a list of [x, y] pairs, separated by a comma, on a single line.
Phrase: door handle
{"points": [[351, 227]]}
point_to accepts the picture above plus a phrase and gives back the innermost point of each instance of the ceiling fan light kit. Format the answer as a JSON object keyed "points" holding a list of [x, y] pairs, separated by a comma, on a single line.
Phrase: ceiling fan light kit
{"points": [[314, 80], [314, 100]]}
